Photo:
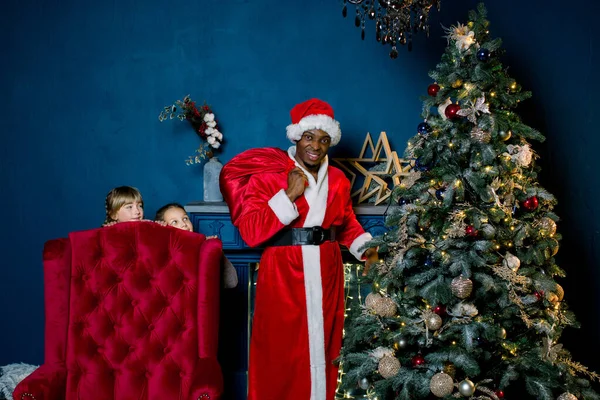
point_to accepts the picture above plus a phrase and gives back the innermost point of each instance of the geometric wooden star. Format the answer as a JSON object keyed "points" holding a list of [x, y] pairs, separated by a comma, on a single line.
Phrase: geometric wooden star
{"points": [[378, 168]]}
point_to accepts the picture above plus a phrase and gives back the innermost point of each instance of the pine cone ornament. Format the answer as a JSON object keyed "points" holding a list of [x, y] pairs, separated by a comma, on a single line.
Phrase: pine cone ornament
{"points": [[441, 385], [389, 366], [461, 287]]}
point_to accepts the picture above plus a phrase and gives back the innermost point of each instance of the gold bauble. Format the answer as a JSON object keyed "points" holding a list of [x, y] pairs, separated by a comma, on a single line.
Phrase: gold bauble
{"points": [[441, 385], [559, 291], [371, 299], [450, 369], [566, 396], [554, 247], [502, 333], [385, 307], [504, 135], [457, 83], [547, 226], [461, 287], [433, 321], [389, 366]]}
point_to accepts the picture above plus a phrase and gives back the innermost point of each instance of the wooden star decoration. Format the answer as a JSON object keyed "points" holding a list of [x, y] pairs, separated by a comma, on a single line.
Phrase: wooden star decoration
{"points": [[374, 184]]}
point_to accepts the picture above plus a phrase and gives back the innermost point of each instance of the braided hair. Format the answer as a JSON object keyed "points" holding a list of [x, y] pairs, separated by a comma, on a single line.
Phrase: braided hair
{"points": [[117, 198]]}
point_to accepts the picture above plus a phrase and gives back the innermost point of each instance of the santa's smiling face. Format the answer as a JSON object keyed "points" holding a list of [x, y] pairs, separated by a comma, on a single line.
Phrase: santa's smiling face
{"points": [[312, 148]]}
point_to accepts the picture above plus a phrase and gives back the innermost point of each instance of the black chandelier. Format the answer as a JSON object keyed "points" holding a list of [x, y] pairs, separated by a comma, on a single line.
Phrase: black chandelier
{"points": [[395, 20]]}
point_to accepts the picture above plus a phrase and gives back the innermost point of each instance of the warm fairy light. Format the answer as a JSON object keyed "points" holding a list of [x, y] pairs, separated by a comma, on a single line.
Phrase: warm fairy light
{"points": [[493, 94], [497, 247], [402, 323], [457, 183], [488, 168], [443, 253], [450, 144], [432, 182], [453, 343], [513, 85]]}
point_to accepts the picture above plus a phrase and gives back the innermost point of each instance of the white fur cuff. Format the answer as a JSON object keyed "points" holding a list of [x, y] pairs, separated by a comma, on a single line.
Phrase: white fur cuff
{"points": [[358, 243], [285, 210]]}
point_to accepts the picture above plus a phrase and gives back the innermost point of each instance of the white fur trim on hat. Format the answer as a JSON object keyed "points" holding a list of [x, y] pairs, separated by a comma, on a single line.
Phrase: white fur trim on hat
{"points": [[320, 121]]}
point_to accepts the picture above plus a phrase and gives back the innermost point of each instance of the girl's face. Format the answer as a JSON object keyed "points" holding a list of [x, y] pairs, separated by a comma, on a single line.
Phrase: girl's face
{"points": [[133, 211], [178, 218]]}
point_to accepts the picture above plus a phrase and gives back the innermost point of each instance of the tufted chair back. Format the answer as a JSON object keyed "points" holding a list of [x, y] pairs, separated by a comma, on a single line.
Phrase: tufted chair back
{"points": [[131, 313]]}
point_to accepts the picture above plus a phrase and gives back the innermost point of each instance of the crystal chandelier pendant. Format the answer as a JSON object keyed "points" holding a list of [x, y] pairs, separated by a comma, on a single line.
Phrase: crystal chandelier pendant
{"points": [[395, 20]]}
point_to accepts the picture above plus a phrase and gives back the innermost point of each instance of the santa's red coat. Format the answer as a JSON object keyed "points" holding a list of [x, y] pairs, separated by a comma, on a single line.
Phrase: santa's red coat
{"points": [[299, 305]]}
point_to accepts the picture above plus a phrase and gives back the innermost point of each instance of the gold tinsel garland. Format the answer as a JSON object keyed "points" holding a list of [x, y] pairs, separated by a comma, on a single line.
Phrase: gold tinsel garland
{"points": [[579, 368]]}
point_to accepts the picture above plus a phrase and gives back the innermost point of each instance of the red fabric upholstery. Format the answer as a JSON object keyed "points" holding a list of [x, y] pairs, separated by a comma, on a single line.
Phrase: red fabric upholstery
{"points": [[132, 312]]}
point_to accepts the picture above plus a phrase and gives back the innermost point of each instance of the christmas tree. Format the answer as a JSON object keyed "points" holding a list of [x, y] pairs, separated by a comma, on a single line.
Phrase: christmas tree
{"points": [[466, 301]]}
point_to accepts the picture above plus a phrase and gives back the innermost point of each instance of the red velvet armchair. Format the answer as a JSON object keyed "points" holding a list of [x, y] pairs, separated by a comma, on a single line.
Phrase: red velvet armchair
{"points": [[132, 312]]}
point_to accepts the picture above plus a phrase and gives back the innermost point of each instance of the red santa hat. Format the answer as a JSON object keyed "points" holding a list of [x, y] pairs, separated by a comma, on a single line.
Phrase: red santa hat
{"points": [[313, 114]]}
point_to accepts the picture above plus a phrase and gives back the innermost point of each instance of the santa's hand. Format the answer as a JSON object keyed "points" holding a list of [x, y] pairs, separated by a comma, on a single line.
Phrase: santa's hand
{"points": [[371, 257], [297, 182]]}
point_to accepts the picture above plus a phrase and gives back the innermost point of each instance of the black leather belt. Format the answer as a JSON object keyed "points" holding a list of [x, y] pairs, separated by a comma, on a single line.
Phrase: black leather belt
{"points": [[302, 236]]}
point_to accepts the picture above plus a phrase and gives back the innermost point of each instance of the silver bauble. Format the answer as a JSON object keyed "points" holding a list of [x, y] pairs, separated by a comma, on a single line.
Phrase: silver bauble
{"points": [[461, 287], [363, 383], [566, 396], [441, 385], [511, 261], [433, 321], [400, 343], [389, 366], [466, 388]]}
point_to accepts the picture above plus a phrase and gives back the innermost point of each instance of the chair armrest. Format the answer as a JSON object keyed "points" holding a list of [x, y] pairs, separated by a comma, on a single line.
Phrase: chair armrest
{"points": [[207, 380], [48, 382]]}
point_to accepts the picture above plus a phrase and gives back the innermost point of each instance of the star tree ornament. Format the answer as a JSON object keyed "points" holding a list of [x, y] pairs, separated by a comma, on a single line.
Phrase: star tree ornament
{"points": [[441, 385]]}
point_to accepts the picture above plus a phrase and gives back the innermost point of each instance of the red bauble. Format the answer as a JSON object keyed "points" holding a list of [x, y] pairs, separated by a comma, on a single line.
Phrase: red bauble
{"points": [[440, 310], [451, 111], [418, 360], [471, 231], [433, 89], [531, 203], [499, 394], [539, 295]]}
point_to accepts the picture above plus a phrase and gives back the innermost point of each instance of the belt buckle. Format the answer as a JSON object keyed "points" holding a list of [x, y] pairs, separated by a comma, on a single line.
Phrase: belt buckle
{"points": [[318, 235]]}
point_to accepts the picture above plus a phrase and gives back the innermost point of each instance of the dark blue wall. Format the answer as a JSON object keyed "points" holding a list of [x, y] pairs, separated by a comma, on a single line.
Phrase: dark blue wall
{"points": [[82, 86]]}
